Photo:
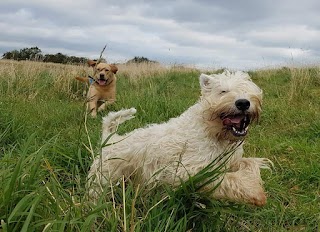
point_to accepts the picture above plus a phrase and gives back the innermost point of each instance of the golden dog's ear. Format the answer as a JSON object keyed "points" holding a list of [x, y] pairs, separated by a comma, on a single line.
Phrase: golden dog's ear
{"points": [[114, 68], [92, 63]]}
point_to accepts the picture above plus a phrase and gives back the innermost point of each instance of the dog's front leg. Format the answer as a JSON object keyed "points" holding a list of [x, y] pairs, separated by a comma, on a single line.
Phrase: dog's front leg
{"points": [[92, 107], [103, 105], [244, 183]]}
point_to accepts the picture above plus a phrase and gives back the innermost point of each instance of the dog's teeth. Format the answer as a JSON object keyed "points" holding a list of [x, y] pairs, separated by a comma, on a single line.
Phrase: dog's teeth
{"points": [[239, 132]]}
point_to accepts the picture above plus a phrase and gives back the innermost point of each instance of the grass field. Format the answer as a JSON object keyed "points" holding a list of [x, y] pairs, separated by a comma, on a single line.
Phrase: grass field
{"points": [[47, 145]]}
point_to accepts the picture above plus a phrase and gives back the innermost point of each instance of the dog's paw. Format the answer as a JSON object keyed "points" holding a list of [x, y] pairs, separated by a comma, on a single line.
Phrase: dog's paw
{"points": [[132, 111], [127, 114], [113, 119], [93, 114], [259, 198]]}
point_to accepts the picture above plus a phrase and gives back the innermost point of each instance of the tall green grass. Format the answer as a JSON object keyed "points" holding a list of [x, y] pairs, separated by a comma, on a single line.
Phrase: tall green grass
{"points": [[47, 145]]}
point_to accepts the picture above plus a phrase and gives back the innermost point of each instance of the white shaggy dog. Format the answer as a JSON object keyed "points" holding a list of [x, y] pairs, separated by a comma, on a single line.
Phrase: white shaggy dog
{"points": [[185, 145]]}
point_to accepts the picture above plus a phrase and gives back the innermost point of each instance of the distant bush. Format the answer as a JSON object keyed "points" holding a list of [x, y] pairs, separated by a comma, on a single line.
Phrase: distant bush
{"points": [[138, 59], [35, 54]]}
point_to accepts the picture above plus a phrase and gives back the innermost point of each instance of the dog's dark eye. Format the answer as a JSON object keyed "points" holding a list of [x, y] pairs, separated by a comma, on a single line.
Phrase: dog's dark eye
{"points": [[223, 92]]}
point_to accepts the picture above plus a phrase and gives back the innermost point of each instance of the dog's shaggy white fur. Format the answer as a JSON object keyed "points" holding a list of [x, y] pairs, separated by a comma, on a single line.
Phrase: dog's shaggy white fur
{"points": [[185, 145]]}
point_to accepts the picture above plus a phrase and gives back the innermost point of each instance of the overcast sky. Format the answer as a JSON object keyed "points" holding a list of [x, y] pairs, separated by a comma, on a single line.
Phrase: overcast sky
{"points": [[245, 34]]}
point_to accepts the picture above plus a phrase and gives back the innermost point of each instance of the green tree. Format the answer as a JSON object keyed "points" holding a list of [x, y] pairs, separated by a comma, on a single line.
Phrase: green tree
{"points": [[56, 58], [29, 53], [12, 55], [33, 53], [141, 59]]}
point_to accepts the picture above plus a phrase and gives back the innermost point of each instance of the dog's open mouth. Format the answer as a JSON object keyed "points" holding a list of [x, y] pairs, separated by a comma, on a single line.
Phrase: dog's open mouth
{"points": [[237, 124], [101, 81]]}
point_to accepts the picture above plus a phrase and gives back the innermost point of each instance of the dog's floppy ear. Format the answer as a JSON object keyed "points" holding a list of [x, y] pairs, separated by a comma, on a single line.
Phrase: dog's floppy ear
{"points": [[92, 63], [114, 68], [205, 82]]}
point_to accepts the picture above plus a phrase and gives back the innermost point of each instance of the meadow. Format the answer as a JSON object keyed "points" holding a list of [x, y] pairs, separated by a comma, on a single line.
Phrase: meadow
{"points": [[47, 144]]}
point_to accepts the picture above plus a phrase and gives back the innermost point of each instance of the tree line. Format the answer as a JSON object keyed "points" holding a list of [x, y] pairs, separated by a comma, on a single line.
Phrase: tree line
{"points": [[35, 54]]}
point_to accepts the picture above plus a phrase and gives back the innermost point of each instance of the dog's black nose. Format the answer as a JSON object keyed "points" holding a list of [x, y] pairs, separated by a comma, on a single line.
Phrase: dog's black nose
{"points": [[101, 75], [242, 104]]}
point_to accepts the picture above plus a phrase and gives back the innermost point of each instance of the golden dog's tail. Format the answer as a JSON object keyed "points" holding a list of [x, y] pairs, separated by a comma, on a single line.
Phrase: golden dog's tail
{"points": [[114, 119], [83, 79]]}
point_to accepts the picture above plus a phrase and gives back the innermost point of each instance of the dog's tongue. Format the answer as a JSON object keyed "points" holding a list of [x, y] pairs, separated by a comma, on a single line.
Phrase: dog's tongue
{"points": [[102, 82], [232, 121]]}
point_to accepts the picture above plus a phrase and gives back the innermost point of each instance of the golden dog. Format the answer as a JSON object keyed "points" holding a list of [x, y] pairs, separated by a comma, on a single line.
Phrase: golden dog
{"points": [[102, 89]]}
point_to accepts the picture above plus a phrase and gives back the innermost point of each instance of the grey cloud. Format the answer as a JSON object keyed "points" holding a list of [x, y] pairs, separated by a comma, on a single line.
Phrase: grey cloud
{"points": [[228, 33]]}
